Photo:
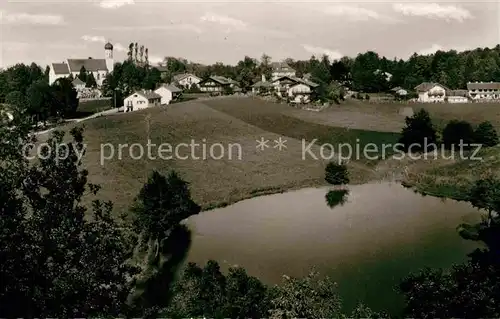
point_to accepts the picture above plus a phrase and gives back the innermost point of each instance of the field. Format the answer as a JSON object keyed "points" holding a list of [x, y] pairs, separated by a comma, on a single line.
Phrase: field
{"points": [[215, 182], [243, 121]]}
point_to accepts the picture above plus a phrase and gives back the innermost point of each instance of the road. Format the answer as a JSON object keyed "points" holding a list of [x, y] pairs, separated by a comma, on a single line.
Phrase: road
{"points": [[107, 112]]}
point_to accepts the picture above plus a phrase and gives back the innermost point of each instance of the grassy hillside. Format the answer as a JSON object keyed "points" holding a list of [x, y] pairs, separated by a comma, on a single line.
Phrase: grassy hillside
{"points": [[216, 182]]}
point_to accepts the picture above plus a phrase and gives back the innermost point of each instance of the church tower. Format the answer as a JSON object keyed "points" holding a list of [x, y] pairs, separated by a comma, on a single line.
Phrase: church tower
{"points": [[108, 53]]}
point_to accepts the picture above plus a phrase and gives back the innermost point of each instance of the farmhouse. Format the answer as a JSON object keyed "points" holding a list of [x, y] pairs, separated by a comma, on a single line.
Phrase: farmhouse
{"points": [[168, 93], [263, 86], [430, 92], [281, 69], [98, 67], [218, 84], [457, 96], [293, 87], [140, 100], [186, 80], [483, 91]]}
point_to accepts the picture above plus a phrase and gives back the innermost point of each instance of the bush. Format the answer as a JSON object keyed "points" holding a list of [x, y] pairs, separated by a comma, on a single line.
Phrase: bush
{"points": [[336, 174], [486, 134], [419, 133], [367, 97], [457, 132]]}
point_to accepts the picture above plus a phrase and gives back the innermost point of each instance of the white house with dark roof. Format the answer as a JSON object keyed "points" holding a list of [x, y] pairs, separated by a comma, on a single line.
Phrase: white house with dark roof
{"points": [[141, 100], [98, 67], [430, 92], [186, 79], [280, 69], [484, 91], [296, 88], [168, 93]]}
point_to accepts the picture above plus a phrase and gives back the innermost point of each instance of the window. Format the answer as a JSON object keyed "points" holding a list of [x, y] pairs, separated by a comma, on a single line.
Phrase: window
{"points": [[98, 75]]}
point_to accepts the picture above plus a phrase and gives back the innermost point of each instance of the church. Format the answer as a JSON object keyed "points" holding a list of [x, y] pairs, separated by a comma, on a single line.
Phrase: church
{"points": [[99, 67]]}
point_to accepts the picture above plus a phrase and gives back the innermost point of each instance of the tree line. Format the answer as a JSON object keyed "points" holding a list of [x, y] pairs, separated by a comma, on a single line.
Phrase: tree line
{"points": [[26, 89]]}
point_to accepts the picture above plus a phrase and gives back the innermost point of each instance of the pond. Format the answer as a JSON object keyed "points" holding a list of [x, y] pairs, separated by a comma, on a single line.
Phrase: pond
{"points": [[367, 243]]}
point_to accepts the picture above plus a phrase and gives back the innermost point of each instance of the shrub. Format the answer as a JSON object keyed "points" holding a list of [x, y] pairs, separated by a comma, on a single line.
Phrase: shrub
{"points": [[367, 97], [486, 134], [336, 174], [457, 132], [418, 132]]}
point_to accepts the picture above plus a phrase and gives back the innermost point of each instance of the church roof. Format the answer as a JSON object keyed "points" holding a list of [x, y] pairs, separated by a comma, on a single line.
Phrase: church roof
{"points": [[60, 68], [91, 65]]}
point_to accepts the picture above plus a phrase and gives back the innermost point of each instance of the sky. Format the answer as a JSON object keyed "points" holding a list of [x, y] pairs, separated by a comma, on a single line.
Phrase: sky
{"points": [[225, 31]]}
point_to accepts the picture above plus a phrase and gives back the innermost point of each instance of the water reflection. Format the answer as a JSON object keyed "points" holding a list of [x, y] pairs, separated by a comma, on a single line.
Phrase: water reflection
{"points": [[336, 197]]}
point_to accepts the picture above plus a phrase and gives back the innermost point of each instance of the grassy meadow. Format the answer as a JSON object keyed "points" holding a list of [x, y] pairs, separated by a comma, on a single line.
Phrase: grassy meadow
{"points": [[243, 121], [216, 183]]}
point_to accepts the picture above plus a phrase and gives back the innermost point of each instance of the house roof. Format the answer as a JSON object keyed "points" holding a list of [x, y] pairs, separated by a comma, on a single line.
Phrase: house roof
{"points": [[60, 68], [180, 77], [483, 86], [221, 80], [261, 84], [426, 86], [77, 81], [172, 88], [90, 64], [281, 67], [298, 80], [147, 94]]}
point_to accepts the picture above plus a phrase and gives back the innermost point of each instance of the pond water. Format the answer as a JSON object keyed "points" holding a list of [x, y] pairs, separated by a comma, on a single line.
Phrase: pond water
{"points": [[367, 243]]}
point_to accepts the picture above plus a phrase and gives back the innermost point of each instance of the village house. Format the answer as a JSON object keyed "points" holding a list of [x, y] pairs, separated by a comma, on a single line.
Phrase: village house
{"points": [[186, 80], [262, 86], [140, 100], [98, 67], [78, 84], [457, 96], [297, 89], [168, 93], [430, 92], [484, 91], [218, 84], [281, 69]]}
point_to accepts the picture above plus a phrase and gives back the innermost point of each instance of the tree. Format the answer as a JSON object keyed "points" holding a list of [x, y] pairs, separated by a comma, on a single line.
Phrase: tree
{"points": [[158, 210], [163, 203], [41, 101], [90, 81], [206, 292], [55, 262], [486, 135], [136, 51], [308, 297], [336, 174], [130, 52], [419, 133], [146, 56], [458, 132], [66, 96], [83, 74], [141, 53]]}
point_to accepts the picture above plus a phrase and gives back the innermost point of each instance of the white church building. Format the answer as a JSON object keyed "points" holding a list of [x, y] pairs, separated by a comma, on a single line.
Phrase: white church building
{"points": [[99, 67]]}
